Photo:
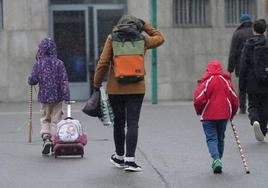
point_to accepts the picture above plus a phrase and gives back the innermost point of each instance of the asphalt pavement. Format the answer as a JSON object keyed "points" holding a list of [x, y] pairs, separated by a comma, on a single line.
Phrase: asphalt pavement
{"points": [[171, 150]]}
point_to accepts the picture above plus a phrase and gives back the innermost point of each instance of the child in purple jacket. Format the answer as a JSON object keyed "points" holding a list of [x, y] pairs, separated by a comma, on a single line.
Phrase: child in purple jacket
{"points": [[50, 73]]}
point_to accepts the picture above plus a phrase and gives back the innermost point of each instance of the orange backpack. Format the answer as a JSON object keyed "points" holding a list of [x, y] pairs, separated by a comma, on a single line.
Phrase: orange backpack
{"points": [[128, 57]]}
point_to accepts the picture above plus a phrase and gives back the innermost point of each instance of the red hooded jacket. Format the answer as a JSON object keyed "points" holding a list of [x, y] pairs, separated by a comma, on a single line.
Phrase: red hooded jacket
{"points": [[215, 97]]}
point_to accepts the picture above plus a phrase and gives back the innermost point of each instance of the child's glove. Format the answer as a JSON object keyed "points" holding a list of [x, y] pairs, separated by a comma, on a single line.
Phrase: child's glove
{"points": [[32, 80]]}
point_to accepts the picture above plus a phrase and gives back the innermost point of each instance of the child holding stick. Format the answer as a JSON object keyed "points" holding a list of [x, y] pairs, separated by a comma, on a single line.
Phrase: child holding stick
{"points": [[50, 73]]}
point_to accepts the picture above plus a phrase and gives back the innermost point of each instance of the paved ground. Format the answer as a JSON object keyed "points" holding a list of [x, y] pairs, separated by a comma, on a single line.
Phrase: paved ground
{"points": [[171, 150]]}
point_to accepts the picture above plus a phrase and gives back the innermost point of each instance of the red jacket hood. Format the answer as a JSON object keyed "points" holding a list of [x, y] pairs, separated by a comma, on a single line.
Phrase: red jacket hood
{"points": [[215, 68]]}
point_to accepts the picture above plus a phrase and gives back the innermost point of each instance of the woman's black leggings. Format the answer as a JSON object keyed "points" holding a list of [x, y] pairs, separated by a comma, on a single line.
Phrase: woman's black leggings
{"points": [[127, 114]]}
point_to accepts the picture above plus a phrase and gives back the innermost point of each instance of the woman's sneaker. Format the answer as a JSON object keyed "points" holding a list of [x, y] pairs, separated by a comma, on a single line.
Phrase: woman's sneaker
{"points": [[257, 131], [117, 162], [217, 166], [132, 167]]}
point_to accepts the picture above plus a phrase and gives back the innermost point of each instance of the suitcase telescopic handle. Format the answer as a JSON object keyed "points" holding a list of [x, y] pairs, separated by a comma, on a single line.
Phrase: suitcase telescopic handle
{"points": [[69, 102], [69, 108]]}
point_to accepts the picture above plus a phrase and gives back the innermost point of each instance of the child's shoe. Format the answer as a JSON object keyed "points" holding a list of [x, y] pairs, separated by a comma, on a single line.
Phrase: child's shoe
{"points": [[132, 167], [47, 144], [119, 163], [217, 166], [257, 130]]}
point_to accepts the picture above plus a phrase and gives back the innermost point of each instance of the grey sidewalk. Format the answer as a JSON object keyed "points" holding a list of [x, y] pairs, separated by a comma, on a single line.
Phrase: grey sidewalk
{"points": [[171, 150]]}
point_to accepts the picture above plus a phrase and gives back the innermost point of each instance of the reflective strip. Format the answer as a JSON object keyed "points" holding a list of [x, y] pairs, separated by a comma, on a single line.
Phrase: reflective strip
{"points": [[204, 110], [230, 89], [233, 93], [202, 92], [230, 106], [205, 89]]}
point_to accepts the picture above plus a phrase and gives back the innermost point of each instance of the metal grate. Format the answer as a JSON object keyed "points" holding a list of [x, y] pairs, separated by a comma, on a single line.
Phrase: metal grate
{"points": [[235, 8], [191, 12], [88, 1]]}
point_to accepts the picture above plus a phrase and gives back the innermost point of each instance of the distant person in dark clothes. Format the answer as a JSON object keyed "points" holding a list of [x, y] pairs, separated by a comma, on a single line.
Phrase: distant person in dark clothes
{"points": [[257, 89], [241, 34]]}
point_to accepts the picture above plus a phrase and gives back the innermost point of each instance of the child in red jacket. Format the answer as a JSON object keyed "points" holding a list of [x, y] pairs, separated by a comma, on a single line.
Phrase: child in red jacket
{"points": [[215, 100]]}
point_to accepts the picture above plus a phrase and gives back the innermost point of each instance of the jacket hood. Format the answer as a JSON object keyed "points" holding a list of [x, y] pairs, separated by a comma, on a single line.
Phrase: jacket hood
{"points": [[215, 68], [128, 24], [129, 19], [244, 25], [46, 48], [126, 28], [256, 40]]}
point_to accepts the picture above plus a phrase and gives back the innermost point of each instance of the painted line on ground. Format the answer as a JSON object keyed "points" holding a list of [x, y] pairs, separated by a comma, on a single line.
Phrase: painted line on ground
{"points": [[26, 112]]}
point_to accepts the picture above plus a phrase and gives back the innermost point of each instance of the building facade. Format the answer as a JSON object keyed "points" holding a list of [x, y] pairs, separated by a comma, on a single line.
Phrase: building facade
{"points": [[195, 32]]}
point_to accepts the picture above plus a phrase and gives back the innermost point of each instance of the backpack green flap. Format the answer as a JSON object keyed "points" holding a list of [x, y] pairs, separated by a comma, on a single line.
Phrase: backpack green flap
{"points": [[128, 47]]}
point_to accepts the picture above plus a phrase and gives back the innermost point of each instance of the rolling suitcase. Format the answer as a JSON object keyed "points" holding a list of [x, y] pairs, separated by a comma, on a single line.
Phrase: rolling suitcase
{"points": [[70, 138]]}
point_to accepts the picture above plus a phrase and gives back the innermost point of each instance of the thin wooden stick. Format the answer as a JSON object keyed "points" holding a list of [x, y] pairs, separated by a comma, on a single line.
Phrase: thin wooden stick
{"points": [[30, 128], [242, 155]]}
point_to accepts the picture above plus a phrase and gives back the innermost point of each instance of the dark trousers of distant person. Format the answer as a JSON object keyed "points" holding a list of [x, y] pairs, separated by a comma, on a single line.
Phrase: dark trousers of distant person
{"points": [[258, 109], [242, 102]]}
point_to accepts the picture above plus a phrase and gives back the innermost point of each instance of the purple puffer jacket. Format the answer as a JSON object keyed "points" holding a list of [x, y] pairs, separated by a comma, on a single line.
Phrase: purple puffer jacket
{"points": [[50, 73]]}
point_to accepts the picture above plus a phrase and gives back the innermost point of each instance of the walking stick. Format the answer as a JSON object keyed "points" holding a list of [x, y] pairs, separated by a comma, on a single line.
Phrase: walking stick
{"points": [[30, 128], [242, 155]]}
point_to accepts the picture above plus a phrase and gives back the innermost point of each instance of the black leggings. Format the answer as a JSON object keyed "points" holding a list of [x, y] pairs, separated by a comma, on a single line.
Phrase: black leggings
{"points": [[127, 113]]}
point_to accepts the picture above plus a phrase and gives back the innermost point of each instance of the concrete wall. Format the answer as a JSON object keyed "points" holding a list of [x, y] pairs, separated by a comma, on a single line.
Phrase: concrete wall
{"points": [[181, 60], [25, 24]]}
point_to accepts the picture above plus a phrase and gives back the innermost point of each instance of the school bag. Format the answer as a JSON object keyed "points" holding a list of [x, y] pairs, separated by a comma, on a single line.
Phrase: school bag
{"points": [[70, 137], [128, 56], [69, 130], [107, 114], [260, 61]]}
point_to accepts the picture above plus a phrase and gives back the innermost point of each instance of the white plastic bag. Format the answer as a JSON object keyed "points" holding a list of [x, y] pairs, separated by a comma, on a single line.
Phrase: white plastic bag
{"points": [[107, 115]]}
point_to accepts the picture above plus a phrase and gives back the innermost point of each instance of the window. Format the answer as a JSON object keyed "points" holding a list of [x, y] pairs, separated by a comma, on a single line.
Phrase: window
{"points": [[1, 14], [234, 9], [191, 12]]}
